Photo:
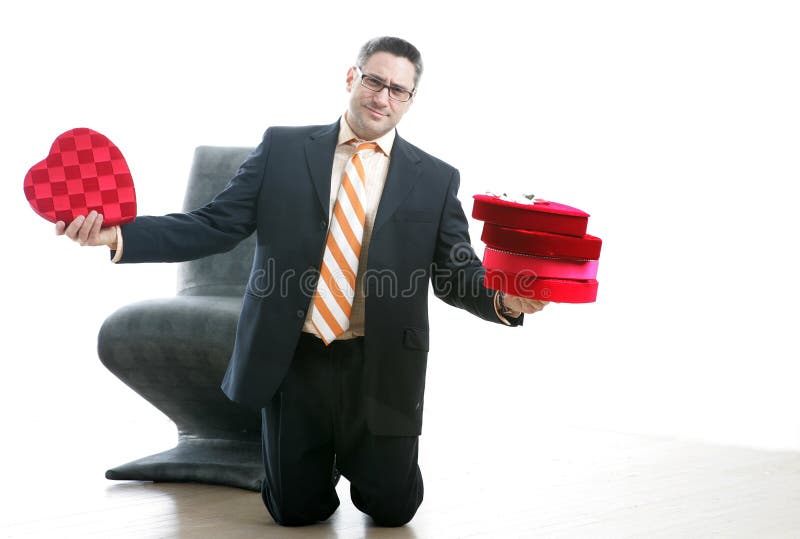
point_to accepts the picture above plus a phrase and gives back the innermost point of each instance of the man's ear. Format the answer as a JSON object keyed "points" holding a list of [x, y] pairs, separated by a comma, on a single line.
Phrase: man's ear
{"points": [[351, 76]]}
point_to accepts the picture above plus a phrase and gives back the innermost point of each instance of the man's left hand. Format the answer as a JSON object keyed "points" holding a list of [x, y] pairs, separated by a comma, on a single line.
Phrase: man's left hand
{"points": [[523, 305]]}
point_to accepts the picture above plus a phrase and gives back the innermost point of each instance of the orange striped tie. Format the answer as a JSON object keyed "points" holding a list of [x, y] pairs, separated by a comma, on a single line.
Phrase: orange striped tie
{"points": [[333, 300]]}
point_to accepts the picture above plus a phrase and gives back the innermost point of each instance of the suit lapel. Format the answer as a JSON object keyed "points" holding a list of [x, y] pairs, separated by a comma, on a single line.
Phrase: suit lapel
{"points": [[404, 171], [320, 148]]}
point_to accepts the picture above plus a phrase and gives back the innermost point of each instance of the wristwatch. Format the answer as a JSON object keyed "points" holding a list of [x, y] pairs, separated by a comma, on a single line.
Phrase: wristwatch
{"points": [[505, 311]]}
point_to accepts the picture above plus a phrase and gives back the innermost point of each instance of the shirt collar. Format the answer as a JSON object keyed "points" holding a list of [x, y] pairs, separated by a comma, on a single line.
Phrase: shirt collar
{"points": [[346, 134]]}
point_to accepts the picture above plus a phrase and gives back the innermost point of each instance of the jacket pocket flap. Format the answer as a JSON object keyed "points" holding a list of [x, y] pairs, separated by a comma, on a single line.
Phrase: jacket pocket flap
{"points": [[416, 339]]}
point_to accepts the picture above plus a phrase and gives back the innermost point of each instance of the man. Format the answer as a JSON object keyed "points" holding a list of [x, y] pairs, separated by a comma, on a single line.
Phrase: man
{"points": [[336, 363]]}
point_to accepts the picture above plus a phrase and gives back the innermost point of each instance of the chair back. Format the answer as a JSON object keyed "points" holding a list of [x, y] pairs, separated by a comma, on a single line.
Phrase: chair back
{"points": [[223, 274]]}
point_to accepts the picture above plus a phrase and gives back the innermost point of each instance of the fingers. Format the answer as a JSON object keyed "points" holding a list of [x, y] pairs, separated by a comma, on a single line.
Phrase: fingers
{"points": [[83, 229], [530, 306], [74, 228], [86, 227], [524, 305], [94, 233]]}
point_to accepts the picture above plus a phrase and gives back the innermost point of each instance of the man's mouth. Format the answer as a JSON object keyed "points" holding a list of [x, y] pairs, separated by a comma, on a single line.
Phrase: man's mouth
{"points": [[375, 112]]}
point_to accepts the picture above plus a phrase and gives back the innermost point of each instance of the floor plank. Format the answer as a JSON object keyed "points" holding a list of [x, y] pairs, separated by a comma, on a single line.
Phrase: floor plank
{"points": [[560, 482]]}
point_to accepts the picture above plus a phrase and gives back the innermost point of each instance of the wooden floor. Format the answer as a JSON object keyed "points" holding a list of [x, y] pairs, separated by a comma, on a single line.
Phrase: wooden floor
{"points": [[558, 482]]}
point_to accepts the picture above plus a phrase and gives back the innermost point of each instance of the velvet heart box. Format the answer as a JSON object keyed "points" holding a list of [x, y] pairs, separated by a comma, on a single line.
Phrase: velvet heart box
{"points": [[539, 215], [527, 285], [541, 243], [84, 171], [540, 266]]}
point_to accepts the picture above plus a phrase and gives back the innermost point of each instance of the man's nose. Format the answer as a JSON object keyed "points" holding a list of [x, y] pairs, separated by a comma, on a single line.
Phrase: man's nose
{"points": [[383, 96]]}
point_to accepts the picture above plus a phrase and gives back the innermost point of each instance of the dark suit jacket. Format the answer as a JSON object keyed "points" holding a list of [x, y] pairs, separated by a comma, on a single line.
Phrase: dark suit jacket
{"points": [[282, 191]]}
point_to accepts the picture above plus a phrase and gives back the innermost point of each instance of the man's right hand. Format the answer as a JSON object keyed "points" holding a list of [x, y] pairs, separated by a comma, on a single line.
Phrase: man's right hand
{"points": [[88, 230]]}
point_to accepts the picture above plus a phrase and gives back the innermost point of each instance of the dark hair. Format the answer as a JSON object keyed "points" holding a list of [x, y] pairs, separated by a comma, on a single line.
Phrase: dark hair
{"points": [[393, 45]]}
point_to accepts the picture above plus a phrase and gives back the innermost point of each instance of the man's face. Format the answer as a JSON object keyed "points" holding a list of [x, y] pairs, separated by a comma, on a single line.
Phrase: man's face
{"points": [[373, 114]]}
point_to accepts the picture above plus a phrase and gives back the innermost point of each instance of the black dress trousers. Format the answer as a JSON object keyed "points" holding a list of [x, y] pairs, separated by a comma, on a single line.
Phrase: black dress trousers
{"points": [[316, 423]]}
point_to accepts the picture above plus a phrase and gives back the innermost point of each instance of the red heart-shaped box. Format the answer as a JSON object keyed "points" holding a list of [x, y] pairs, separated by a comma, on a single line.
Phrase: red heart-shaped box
{"points": [[84, 171], [537, 243], [528, 285], [543, 215], [540, 266]]}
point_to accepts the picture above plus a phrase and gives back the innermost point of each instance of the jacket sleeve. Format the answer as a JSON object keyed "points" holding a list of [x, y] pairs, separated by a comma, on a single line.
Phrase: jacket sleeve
{"points": [[215, 228], [457, 274]]}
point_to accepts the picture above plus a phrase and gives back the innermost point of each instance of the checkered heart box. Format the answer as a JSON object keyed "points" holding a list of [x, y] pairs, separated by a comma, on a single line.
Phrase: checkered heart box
{"points": [[84, 171]]}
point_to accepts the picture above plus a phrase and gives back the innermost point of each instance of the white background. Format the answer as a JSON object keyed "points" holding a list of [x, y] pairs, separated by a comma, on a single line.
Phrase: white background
{"points": [[674, 124]]}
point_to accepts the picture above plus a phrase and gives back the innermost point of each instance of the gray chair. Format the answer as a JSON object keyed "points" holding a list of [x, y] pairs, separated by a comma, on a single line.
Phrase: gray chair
{"points": [[174, 352]]}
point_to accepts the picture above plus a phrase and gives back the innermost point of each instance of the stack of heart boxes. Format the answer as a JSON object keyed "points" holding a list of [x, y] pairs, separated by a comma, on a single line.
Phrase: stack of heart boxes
{"points": [[538, 249]]}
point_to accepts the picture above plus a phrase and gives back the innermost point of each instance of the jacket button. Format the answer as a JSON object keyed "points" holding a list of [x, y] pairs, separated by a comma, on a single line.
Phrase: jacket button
{"points": [[301, 313], [323, 224]]}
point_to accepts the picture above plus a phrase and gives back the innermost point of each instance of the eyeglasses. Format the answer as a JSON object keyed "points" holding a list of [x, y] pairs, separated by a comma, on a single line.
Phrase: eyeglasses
{"points": [[377, 85]]}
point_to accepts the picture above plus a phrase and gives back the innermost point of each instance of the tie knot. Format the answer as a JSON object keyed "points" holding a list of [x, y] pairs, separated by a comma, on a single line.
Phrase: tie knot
{"points": [[364, 146]]}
